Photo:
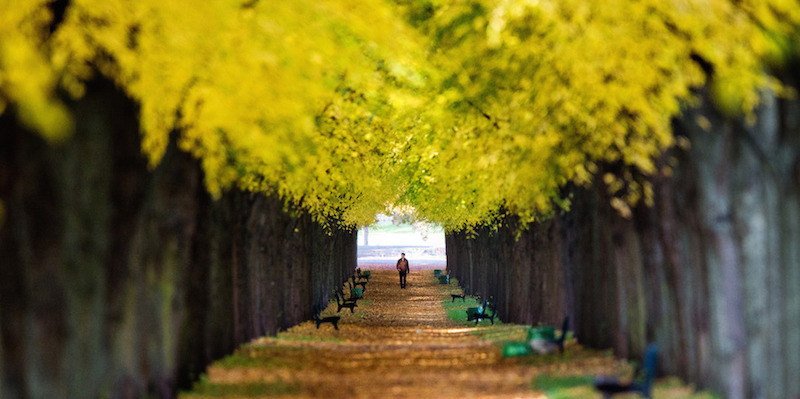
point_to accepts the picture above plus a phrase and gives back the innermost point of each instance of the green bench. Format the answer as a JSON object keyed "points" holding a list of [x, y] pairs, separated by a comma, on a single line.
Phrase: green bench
{"points": [[444, 279], [345, 303], [546, 333], [482, 312], [512, 349], [437, 272], [543, 339], [357, 283], [366, 274]]}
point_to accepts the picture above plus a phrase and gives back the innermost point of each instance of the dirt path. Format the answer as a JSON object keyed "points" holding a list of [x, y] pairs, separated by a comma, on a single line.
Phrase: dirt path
{"points": [[399, 343]]}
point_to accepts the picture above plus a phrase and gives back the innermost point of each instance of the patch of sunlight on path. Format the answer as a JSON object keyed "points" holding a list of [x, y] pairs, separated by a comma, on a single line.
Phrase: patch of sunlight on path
{"points": [[399, 343]]}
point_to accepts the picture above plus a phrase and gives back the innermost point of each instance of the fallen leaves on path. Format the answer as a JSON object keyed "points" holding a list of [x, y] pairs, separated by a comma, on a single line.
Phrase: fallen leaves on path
{"points": [[399, 343]]}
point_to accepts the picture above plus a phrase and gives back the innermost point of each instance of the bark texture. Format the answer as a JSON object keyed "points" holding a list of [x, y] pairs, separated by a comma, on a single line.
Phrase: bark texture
{"points": [[120, 282], [710, 272]]}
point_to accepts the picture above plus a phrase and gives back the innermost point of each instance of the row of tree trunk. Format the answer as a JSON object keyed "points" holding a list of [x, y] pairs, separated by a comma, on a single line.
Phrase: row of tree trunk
{"points": [[711, 272], [120, 282]]}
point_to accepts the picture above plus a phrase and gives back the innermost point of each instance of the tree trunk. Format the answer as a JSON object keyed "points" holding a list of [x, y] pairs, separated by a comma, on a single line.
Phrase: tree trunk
{"points": [[121, 282], [710, 273]]}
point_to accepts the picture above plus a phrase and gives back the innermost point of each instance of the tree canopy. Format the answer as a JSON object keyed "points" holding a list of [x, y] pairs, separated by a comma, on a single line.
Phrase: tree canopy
{"points": [[461, 110]]}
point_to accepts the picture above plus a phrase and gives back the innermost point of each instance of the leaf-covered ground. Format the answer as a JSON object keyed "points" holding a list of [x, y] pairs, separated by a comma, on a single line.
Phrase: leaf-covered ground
{"points": [[400, 343]]}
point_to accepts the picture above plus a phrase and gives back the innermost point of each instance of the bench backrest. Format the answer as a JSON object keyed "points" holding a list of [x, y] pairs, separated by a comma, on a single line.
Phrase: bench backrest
{"points": [[564, 328], [649, 368]]}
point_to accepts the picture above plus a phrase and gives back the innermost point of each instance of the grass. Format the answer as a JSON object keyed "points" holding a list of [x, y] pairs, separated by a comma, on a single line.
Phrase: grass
{"points": [[564, 387], [582, 386], [554, 386], [503, 333], [457, 311], [285, 336], [237, 360], [256, 356], [204, 388]]}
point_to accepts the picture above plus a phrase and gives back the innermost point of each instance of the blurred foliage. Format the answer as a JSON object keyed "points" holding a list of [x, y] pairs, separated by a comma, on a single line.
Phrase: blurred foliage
{"points": [[582, 387], [549, 383], [542, 92], [462, 110], [203, 388]]}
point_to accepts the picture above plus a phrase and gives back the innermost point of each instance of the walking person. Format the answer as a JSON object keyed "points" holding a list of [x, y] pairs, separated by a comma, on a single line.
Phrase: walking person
{"points": [[402, 268]]}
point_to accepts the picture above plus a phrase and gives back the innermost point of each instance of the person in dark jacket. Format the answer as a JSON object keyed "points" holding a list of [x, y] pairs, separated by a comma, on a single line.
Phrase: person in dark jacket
{"points": [[402, 268]]}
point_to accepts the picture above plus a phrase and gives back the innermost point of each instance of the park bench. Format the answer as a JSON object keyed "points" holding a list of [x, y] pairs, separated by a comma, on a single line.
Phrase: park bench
{"points": [[540, 339], [643, 378], [357, 292], [334, 320], [348, 303], [437, 273], [463, 295], [481, 313], [363, 284], [352, 298], [444, 279], [365, 275], [513, 349], [543, 341]]}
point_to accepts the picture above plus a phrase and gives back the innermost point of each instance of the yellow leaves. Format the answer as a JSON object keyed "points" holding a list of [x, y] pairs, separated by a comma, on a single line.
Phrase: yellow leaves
{"points": [[27, 79], [340, 106], [238, 86], [621, 207], [605, 79]]}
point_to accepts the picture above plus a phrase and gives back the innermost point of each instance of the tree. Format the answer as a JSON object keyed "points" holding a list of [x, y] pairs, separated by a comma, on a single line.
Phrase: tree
{"points": [[463, 110]]}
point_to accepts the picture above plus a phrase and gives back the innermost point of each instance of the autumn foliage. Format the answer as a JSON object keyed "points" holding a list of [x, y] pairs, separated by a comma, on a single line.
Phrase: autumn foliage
{"points": [[457, 109]]}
